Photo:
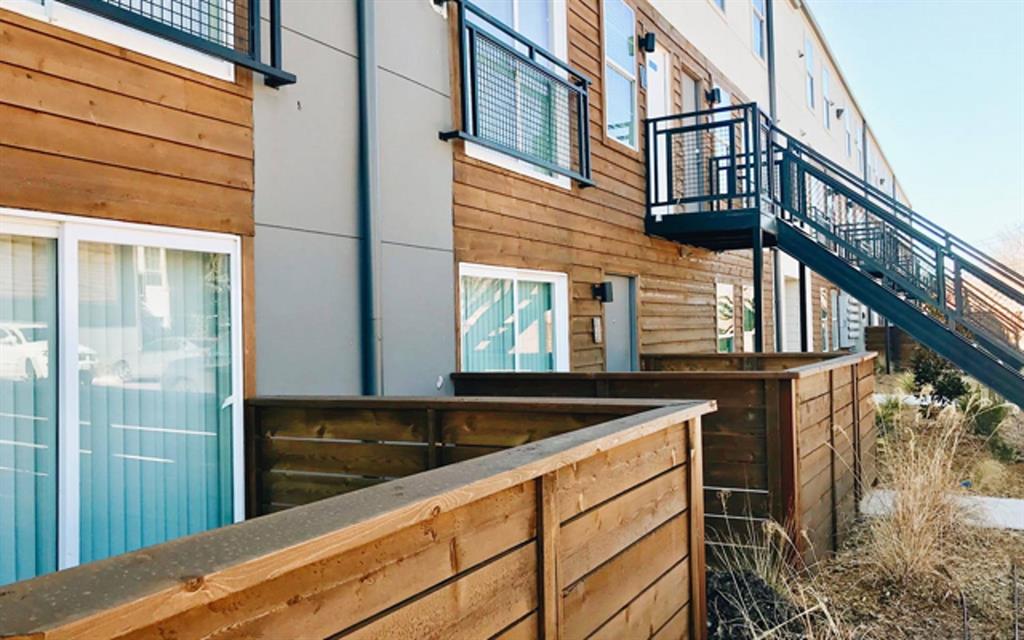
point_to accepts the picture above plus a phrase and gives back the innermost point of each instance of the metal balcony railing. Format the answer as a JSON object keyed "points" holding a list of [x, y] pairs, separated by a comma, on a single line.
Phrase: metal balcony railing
{"points": [[733, 159], [519, 98], [226, 29]]}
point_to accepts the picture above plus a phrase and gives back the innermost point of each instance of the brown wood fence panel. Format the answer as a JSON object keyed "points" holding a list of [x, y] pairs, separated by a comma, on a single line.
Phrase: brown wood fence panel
{"points": [[786, 444], [728, 361], [592, 533]]}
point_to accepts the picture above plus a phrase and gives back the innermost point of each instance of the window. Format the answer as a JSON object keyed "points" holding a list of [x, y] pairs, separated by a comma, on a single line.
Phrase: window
{"points": [[859, 144], [823, 302], [120, 425], [849, 134], [620, 72], [513, 319], [725, 318], [523, 105], [809, 65], [826, 102], [759, 42], [720, 4], [749, 318]]}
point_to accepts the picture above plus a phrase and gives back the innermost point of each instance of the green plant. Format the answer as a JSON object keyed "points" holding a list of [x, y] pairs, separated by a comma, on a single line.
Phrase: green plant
{"points": [[935, 378], [985, 412], [887, 414]]}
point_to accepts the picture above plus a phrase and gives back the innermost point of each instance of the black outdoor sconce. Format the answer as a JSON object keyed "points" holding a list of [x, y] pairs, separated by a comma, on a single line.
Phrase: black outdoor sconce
{"points": [[603, 292], [713, 96], [648, 42]]}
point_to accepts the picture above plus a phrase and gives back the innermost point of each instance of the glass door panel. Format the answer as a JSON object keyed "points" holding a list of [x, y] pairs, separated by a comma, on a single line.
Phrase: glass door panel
{"points": [[156, 414], [28, 407]]}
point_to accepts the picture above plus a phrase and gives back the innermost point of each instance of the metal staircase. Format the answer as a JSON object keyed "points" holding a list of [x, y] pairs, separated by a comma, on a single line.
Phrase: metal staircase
{"points": [[727, 178]]}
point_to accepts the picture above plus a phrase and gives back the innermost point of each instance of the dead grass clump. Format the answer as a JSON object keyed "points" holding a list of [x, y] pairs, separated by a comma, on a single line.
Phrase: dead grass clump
{"points": [[755, 593], [925, 525]]}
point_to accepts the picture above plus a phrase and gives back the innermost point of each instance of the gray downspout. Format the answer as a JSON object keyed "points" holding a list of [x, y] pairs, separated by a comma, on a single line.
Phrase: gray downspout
{"points": [[369, 205], [777, 283]]}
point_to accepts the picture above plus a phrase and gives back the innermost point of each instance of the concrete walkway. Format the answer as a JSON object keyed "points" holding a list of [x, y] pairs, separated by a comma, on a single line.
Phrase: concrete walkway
{"points": [[996, 513]]}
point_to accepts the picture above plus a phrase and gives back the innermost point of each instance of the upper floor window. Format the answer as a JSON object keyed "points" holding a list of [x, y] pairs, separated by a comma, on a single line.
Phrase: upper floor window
{"points": [[759, 41], [513, 319], [620, 72], [720, 4], [826, 101], [849, 135], [809, 67], [209, 36]]}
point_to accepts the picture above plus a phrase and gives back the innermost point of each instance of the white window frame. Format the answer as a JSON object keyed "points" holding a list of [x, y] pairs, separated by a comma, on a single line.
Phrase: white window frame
{"points": [[826, 101], [809, 97], [849, 133], [758, 25], [629, 75], [560, 40], [559, 303], [69, 231], [95, 26]]}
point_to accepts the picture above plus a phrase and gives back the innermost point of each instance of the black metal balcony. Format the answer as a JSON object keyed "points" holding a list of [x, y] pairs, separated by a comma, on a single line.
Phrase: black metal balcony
{"points": [[520, 99], [226, 29]]}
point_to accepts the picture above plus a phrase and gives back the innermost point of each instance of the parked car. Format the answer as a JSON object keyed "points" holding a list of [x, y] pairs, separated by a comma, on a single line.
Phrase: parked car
{"points": [[24, 352]]}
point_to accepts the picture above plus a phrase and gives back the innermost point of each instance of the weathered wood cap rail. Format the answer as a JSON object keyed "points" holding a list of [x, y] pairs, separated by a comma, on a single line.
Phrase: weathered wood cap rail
{"points": [[245, 579]]}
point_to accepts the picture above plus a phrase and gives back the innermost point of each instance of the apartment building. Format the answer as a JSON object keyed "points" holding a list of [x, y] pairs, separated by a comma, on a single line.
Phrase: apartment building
{"points": [[201, 202]]}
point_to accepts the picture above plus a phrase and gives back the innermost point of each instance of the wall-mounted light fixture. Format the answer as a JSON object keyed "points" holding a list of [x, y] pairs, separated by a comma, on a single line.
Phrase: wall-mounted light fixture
{"points": [[648, 42], [713, 96], [840, 111], [602, 292]]}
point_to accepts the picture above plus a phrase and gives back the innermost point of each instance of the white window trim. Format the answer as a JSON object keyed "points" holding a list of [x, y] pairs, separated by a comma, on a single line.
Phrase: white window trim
{"points": [[810, 97], [69, 231], [560, 38], [630, 75], [762, 24], [559, 301], [826, 101], [100, 28], [719, 8]]}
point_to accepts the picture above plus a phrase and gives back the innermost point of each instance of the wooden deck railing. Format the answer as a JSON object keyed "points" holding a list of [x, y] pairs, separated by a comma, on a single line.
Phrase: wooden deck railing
{"points": [[592, 533], [796, 445]]}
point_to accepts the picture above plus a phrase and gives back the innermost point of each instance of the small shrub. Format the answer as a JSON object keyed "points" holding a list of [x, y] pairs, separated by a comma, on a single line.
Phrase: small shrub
{"points": [[887, 414], [985, 412], [935, 378]]}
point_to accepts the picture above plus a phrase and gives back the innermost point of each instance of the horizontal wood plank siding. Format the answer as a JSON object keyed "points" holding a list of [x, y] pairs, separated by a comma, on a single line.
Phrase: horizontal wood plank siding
{"points": [[95, 130], [504, 218]]}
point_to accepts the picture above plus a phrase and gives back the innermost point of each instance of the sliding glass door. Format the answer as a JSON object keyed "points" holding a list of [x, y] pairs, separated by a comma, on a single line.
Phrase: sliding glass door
{"points": [[119, 418], [28, 406]]}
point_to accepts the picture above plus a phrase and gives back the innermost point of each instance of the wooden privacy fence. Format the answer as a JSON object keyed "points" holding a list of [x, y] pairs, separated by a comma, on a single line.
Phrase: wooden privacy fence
{"points": [[593, 533], [300, 450], [796, 445]]}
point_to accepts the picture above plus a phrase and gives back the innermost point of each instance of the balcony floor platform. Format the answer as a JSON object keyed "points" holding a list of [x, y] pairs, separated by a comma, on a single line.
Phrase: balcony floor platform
{"points": [[715, 230]]}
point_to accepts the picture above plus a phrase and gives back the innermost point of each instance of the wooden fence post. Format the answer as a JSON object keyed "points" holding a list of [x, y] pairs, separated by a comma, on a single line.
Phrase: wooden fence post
{"points": [[789, 463], [698, 563], [549, 598]]}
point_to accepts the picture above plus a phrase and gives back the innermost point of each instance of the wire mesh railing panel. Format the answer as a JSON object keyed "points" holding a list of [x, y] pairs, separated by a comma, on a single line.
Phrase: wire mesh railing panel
{"points": [[220, 22], [702, 162], [523, 107]]}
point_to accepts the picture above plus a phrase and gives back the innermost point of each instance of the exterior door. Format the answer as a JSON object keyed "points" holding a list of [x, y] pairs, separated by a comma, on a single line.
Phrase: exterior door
{"points": [[659, 103], [620, 326]]}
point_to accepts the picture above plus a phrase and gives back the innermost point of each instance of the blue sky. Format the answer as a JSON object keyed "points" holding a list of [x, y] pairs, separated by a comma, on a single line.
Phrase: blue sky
{"points": [[941, 83]]}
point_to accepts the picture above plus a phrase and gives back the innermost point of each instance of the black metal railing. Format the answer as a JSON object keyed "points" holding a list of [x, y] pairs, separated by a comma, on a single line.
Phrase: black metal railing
{"points": [[226, 29], [734, 159], [708, 160], [519, 98]]}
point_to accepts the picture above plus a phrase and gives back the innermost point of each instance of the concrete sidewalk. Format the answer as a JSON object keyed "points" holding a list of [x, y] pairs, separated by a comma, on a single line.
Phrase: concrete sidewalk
{"points": [[996, 513]]}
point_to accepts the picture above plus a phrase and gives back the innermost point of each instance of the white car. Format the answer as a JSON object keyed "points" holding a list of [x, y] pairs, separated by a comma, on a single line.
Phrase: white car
{"points": [[24, 352]]}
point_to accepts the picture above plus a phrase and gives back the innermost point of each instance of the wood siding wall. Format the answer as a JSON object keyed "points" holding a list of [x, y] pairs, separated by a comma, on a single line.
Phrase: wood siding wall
{"points": [[92, 129], [591, 534], [507, 219]]}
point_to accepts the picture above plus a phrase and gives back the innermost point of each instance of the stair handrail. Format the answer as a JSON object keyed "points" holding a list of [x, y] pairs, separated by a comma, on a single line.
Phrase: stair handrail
{"points": [[939, 237]]}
